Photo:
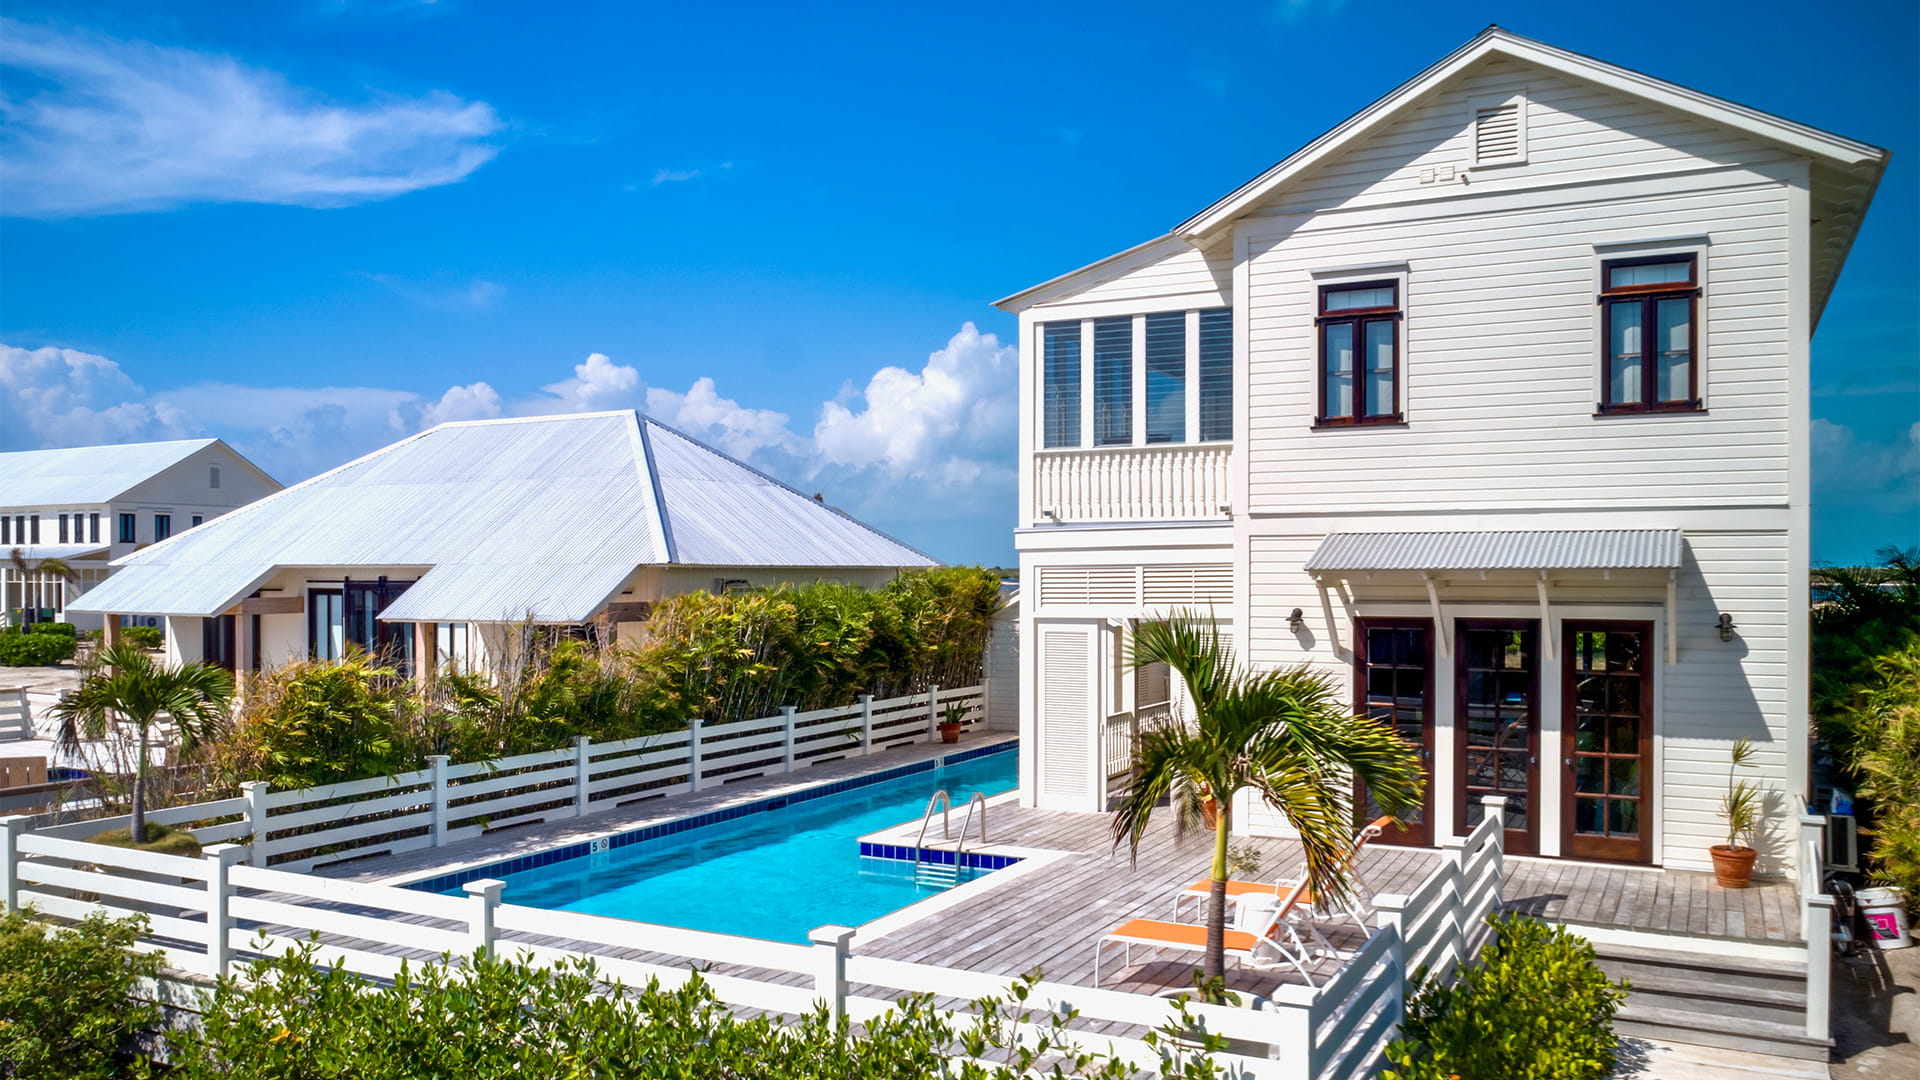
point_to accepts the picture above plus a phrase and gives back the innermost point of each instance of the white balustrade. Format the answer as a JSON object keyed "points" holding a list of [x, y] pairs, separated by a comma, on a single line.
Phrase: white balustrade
{"points": [[1167, 482]]}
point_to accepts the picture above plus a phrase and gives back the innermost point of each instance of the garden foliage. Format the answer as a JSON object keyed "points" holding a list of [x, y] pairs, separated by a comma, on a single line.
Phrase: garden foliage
{"points": [[34, 648], [1534, 1007], [147, 637], [66, 1004]]}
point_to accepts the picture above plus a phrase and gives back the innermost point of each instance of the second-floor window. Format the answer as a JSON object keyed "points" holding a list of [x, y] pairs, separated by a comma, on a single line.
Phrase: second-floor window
{"points": [[1060, 385], [63, 528], [127, 526], [1113, 381], [1649, 309], [162, 527], [1359, 329], [33, 527], [93, 528], [1159, 378]]}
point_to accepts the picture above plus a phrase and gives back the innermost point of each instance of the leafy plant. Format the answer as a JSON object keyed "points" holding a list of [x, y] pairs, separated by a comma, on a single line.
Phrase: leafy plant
{"points": [[954, 713], [1286, 734], [1534, 1007], [66, 996], [63, 629], [130, 687], [18, 649], [147, 637], [1740, 806], [1884, 714], [320, 722]]}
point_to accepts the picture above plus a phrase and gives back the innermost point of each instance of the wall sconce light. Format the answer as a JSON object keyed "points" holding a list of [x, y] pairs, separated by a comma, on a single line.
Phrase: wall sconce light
{"points": [[1297, 621], [1050, 514], [1726, 626]]}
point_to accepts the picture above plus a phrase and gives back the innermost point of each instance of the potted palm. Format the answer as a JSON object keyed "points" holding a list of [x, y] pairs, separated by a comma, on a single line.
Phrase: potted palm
{"points": [[1287, 735], [952, 722], [1740, 812]]}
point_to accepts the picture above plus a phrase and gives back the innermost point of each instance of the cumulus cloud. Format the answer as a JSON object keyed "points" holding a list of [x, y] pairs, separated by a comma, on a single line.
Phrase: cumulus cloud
{"points": [[953, 417], [96, 125], [64, 397], [597, 384], [1883, 476], [476, 401]]}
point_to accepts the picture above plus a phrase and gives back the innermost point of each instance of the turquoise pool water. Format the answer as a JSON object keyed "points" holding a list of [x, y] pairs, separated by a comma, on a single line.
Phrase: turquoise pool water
{"points": [[773, 875]]}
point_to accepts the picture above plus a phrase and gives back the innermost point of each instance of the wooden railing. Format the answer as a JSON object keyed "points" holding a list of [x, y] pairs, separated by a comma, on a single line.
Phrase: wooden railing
{"points": [[1170, 482]]}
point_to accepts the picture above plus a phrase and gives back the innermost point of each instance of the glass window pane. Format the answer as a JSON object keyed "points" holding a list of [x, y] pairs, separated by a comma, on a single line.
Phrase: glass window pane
{"points": [[1337, 353], [1113, 381], [1357, 299], [1673, 374], [1216, 374], [1623, 352], [1623, 817], [1167, 377], [1380, 388], [1061, 384], [1586, 815], [1679, 272]]}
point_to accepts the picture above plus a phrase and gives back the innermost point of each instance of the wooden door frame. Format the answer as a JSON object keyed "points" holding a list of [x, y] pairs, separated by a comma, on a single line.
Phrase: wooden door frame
{"points": [[1648, 664], [1528, 840], [1409, 836]]}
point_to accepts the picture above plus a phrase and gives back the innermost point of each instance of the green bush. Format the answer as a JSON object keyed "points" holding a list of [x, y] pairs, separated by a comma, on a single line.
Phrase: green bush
{"points": [[65, 629], [147, 637], [34, 650], [1883, 715], [494, 1019], [1535, 1007], [320, 722], [66, 1005]]}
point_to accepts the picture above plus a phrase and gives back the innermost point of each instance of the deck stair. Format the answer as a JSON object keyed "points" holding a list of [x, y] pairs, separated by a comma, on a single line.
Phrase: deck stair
{"points": [[1708, 999]]}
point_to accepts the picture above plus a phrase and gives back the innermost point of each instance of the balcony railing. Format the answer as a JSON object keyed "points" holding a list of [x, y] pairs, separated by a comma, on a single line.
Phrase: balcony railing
{"points": [[1173, 482]]}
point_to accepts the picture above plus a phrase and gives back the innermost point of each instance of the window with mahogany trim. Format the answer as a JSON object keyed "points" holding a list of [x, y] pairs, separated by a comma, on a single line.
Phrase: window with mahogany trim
{"points": [[1649, 316], [1359, 329]]}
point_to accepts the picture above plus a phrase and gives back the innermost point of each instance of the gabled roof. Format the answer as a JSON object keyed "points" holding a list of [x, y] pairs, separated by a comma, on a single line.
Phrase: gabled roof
{"points": [[90, 474], [1846, 171], [542, 518]]}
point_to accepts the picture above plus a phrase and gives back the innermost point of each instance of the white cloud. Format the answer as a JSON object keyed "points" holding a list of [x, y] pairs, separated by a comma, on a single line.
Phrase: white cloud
{"points": [[736, 429], [476, 401], [954, 416], [65, 397], [1867, 473], [475, 295], [674, 176], [113, 126], [597, 384]]}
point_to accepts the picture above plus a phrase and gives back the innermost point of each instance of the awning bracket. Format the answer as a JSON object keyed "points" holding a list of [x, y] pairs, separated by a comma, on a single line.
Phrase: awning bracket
{"points": [[1440, 634]]}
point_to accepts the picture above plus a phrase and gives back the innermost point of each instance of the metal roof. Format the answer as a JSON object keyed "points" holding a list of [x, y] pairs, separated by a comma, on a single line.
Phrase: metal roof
{"points": [[55, 551], [1568, 549], [87, 474], [540, 518]]}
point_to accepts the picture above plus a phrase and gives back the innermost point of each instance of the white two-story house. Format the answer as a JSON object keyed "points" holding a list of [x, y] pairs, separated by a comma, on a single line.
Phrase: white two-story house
{"points": [[1492, 402]]}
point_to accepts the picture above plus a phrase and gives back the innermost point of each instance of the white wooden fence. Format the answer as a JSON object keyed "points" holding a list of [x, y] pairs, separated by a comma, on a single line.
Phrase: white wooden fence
{"points": [[298, 829]]}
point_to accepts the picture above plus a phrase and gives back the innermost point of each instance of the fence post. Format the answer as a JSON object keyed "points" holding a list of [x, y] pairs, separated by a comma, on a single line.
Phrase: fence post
{"points": [[693, 753], [1460, 923], [866, 724], [786, 712], [1497, 810], [933, 713], [830, 946], [982, 720], [1293, 1031], [221, 858], [581, 745], [437, 766], [1392, 908], [1816, 923], [484, 896], [10, 830], [256, 795]]}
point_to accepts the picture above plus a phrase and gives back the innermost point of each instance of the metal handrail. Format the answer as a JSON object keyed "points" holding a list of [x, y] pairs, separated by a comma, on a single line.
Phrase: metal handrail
{"points": [[945, 801], [979, 800]]}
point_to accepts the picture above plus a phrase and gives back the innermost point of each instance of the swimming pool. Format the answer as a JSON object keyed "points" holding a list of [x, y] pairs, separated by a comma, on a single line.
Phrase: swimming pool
{"points": [[773, 874]]}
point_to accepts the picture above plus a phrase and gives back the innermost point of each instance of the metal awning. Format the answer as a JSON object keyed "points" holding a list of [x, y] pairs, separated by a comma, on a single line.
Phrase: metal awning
{"points": [[1562, 549], [32, 552]]}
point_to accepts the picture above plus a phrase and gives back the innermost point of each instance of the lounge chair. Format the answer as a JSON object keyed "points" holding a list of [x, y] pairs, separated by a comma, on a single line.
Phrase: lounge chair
{"points": [[1262, 933], [1237, 890]]}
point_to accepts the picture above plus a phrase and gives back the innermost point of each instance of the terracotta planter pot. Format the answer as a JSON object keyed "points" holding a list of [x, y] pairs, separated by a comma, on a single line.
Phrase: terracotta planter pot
{"points": [[1732, 869], [949, 733]]}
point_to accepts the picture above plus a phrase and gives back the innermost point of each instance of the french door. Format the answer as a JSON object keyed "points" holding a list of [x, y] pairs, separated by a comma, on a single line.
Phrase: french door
{"points": [[1497, 725], [1393, 683], [1608, 747]]}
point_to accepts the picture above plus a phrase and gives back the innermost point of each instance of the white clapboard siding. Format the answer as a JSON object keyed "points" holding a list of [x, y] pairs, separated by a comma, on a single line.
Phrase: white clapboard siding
{"points": [[1067, 706], [1166, 275]]}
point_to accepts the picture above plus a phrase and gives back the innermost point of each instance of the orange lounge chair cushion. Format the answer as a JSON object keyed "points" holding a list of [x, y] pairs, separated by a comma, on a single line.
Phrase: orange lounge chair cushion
{"points": [[1180, 935], [1204, 887]]}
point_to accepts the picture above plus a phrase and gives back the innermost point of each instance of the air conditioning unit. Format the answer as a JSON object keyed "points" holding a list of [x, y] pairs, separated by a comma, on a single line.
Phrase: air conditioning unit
{"points": [[1843, 843]]}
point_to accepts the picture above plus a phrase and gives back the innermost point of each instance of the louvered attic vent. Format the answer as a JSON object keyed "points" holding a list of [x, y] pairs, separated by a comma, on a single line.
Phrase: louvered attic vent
{"points": [[1497, 134]]}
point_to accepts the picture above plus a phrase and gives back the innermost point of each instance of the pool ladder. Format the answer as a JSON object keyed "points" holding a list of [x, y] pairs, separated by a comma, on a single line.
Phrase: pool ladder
{"points": [[940, 875]]}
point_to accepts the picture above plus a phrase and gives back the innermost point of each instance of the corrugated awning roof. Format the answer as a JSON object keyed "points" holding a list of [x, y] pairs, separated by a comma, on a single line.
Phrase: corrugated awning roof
{"points": [[1565, 549], [56, 551]]}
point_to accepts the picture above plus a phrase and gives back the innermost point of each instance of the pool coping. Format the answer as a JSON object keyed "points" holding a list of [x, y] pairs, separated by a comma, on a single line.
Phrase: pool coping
{"points": [[625, 834]]}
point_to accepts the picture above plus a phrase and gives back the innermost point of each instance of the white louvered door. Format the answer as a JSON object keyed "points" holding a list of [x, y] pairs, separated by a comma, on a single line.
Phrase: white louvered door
{"points": [[1069, 705]]}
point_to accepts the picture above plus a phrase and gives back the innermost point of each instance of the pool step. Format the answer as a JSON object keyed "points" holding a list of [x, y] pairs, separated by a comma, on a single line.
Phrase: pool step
{"points": [[933, 875]]}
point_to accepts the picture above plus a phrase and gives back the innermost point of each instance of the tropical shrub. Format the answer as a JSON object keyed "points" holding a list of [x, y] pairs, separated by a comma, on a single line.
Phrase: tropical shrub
{"points": [[1534, 1007], [319, 722], [487, 1018], [147, 637], [64, 629], [66, 996], [1883, 716], [19, 649]]}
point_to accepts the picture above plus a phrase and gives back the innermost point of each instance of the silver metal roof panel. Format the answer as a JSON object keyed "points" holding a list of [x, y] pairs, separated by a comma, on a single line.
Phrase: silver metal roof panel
{"points": [[87, 474], [1564, 549]]}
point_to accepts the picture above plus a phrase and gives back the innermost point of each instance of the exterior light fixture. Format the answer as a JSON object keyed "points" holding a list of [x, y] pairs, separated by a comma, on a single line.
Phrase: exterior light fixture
{"points": [[1297, 621], [1050, 514], [1726, 626]]}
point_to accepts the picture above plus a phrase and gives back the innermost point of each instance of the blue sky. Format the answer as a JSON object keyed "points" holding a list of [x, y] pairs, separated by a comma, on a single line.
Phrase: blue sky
{"points": [[313, 227]]}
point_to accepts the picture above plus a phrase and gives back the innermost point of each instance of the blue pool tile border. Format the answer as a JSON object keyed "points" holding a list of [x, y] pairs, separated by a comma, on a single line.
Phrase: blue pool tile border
{"points": [[909, 853], [455, 879]]}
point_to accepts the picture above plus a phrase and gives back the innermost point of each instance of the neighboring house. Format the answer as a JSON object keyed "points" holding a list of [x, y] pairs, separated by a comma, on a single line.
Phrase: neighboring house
{"points": [[88, 505], [444, 542], [1493, 403]]}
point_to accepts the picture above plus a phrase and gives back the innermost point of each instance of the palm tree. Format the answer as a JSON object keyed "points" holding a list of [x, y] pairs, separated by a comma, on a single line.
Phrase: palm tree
{"points": [[131, 687], [1286, 734]]}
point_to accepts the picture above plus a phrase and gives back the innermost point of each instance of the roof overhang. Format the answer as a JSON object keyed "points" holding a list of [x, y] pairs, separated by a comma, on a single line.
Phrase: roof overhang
{"points": [[1433, 552], [58, 551]]}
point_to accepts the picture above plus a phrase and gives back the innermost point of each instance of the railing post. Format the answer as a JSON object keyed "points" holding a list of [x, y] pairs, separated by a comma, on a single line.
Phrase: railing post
{"points": [[786, 713], [1293, 1038], [693, 753], [830, 947], [484, 897], [437, 767], [1392, 909], [866, 724], [256, 795], [220, 859], [1460, 921], [933, 713], [581, 745], [1497, 810], [1816, 923], [10, 830]]}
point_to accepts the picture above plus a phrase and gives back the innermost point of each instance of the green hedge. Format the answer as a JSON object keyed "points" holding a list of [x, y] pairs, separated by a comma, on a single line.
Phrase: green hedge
{"points": [[64, 629], [147, 637], [66, 1005], [34, 650], [1535, 1007]]}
